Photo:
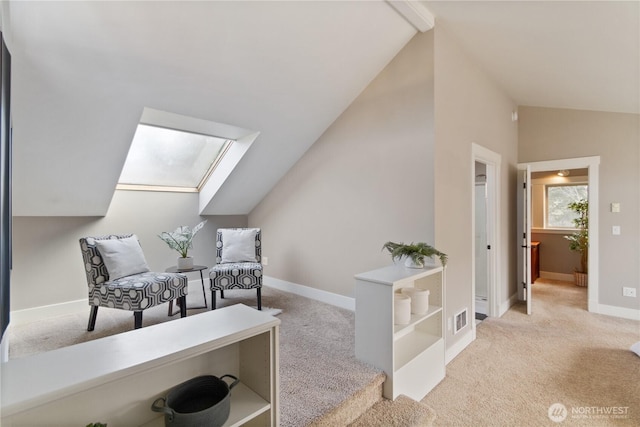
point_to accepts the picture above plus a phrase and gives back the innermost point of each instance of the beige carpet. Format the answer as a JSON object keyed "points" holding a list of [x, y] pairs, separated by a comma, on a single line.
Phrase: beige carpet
{"points": [[520, 365]]}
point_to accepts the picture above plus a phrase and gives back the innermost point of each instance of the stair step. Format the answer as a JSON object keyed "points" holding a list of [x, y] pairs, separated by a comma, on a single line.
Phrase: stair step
{"points": [[352, 408], [402, 412]]}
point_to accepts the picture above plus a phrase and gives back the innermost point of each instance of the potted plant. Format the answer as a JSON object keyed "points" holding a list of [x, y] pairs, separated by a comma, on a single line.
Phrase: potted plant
{"points": [[414, 253], [181, 240], [579, 240]]}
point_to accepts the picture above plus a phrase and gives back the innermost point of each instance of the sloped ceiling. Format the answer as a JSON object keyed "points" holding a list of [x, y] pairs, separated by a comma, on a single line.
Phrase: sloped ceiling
{"points": [[563, 54], [84, 71]]}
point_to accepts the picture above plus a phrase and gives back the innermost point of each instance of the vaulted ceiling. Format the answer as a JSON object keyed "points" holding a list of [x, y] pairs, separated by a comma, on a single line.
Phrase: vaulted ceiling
{"points": [[83, 71]]}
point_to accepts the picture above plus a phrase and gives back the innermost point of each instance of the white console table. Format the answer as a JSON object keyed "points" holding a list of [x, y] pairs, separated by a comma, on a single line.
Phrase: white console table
{"points": [[115, 379]]}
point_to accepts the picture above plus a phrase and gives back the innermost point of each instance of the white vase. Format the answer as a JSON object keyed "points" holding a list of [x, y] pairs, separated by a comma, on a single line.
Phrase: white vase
{"points": [[419, 299], [185, 263], [401, 309], [408, 262]]}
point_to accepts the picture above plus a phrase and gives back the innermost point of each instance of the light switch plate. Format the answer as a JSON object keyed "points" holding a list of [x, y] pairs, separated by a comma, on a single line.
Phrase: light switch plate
{"points": [[615, 207], [615, 230]]}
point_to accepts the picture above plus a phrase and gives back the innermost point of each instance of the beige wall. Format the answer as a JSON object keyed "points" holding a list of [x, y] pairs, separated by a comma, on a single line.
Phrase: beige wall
{"points": [[367, 180], [47, 263], [470, 108], [550, 134]]}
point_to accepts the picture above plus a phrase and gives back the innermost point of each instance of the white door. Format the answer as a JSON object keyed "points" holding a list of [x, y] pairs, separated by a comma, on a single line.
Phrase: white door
{"points": [[524, 236]]}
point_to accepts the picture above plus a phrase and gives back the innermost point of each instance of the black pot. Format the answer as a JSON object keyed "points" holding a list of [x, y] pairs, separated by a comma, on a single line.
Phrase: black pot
{"points": [[199, 402]]}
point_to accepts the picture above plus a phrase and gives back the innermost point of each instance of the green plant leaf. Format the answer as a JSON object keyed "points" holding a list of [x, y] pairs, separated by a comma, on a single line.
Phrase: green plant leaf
{"points": [[416, 251]]}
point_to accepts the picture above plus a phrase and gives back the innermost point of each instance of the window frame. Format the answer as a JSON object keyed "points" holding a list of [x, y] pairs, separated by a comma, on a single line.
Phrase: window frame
{"points": [[180, 189], [546, 202]]}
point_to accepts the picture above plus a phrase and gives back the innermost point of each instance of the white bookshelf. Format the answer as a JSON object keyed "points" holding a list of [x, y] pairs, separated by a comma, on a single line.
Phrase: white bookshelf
{"points": [[412, 356], [115, 379]]}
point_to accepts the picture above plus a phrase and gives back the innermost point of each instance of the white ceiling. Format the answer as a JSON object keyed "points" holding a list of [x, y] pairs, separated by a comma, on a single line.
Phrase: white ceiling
{"points": [[561, 54], [84, 71]]}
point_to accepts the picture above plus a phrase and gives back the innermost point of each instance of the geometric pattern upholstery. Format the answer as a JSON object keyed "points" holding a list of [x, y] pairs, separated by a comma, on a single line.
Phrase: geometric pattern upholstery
{"points": [[136, 292], [236, 275]]}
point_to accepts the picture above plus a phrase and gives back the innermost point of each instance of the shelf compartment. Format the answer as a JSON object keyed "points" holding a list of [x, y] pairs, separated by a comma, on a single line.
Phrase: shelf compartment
{"points": [[245, 405], [411, 345], [401, 330], [416, 380]]}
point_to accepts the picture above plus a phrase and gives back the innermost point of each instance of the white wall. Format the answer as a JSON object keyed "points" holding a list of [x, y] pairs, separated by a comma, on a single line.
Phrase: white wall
{"points": [[47, 262], [551, 134], [367, 180], [470, 108]]}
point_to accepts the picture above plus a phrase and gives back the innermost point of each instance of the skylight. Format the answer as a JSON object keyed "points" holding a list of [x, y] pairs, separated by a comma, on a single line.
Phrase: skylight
{"points": [[163, 159]]}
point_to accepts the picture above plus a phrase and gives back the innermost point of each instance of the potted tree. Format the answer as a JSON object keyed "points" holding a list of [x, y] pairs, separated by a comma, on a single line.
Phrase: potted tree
{"points": [[579, 240], [414, 253]]}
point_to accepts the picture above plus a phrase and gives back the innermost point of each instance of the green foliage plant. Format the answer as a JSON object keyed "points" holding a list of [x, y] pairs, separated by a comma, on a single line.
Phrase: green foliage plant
{"points": [[579, 240], [416, 251], [181, 239]]}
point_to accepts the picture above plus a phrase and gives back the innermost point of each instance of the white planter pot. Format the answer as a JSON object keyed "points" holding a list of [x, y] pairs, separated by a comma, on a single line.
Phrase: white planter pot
{"points": [[401, 309], [185, 263], [408, 262], [419, 299]]}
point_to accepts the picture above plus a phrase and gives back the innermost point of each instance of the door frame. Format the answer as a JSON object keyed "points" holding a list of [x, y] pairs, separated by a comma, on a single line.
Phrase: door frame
{"points": [[493, 162], [593, 164]]}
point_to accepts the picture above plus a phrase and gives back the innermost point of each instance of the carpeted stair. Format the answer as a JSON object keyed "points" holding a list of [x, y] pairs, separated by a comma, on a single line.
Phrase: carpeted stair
{"points": [[367, 408], [402, 412]]}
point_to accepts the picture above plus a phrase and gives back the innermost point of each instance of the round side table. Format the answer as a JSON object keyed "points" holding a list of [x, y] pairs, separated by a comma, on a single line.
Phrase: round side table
{"points": [[199, 268]]}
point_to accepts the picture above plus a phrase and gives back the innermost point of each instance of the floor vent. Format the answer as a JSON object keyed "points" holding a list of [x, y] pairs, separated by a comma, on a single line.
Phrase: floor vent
{"points": [[460, 321]]}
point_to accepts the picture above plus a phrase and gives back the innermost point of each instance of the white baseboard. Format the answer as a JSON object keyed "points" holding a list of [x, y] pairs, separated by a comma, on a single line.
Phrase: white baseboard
{"points": [[611, 310], [316, 294], [466, 339], [506, 305], [19, 317], [556, 276]]}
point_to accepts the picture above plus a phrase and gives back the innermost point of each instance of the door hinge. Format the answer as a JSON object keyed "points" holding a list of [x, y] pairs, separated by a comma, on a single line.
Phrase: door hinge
{"points": [[524, 185]]}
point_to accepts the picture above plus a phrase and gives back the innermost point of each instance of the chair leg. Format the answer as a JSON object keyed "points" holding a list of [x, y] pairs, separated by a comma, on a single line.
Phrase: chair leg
{"points": [[92, 318], [213, 300], [259, 298], [183, 306], [137, 319]]}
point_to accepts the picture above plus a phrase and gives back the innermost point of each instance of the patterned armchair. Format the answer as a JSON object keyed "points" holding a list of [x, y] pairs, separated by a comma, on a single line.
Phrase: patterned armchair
{"points": [[238, 262], [131, 285]]}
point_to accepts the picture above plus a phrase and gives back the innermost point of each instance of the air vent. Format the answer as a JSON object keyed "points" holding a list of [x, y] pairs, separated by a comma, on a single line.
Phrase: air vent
{"points": [[460, 321]]}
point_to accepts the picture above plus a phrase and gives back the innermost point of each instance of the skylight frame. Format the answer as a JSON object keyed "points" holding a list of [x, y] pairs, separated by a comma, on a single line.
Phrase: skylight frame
{"points": [[180, 189]]}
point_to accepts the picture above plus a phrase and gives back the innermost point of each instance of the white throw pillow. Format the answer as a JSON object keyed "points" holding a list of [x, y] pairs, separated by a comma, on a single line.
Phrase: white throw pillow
{"points": [[239, 245], [122, 257]]}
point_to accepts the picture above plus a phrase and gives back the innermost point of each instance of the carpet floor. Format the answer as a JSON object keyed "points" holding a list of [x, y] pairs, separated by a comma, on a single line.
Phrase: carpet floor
{"points": [[519, 366], [318, 368]]}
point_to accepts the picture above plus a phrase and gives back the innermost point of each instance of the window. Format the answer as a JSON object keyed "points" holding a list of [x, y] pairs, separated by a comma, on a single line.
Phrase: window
{"points": [[163, 159], [558, 198]]}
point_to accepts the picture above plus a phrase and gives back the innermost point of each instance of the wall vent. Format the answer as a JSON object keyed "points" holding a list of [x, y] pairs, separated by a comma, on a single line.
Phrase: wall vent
{"points": [[460, 321]]}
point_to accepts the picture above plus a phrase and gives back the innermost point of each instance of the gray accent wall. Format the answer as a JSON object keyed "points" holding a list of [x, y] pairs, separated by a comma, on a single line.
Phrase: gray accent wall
{"points": [[47, 263], [553, 133], [367, 180]]}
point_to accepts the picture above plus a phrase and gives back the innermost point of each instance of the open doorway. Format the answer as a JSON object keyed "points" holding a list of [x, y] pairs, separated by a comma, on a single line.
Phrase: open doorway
{"points": [[485, 202], [585, 171], [551, 194]]}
